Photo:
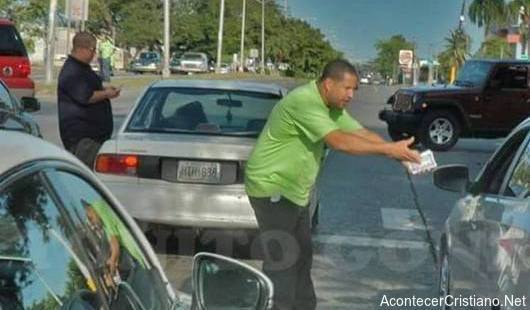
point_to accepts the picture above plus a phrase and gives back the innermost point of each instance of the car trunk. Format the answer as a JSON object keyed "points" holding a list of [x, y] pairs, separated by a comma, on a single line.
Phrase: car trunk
{"points": [[182, 158]]}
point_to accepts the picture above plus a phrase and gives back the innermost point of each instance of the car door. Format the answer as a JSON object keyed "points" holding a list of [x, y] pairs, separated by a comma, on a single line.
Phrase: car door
{"points": [[128, 278], [506, 98], [42, 264], [482, 222]]}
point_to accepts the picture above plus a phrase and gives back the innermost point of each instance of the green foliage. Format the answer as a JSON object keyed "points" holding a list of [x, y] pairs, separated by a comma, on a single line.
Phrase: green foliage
{"points": [[495, 48], [387, 59], [457, 50], [487, 13], [194, 27]]}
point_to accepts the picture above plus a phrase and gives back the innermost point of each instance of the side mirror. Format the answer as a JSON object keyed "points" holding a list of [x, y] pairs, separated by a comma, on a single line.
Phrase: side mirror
{"points": [[454, 178], [220, 282], [30, 104]]}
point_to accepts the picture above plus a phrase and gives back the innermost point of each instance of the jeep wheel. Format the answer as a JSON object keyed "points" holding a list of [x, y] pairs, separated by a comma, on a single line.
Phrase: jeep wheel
{"points": [[439, 130]]}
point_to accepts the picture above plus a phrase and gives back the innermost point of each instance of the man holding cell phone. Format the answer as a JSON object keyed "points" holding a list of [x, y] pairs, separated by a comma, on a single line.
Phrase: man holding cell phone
{"points": [[85, 112]]}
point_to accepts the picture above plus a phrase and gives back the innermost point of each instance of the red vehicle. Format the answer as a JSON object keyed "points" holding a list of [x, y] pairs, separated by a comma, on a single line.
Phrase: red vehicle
{"points": [[15, 66]]}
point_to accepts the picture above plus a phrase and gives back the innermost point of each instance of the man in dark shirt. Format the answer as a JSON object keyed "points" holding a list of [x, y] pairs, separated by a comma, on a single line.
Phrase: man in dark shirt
{"points": [[85, 113]]}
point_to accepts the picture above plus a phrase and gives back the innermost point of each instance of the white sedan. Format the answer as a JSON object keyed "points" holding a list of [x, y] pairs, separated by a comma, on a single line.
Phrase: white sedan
{"points": [[179, 158]]}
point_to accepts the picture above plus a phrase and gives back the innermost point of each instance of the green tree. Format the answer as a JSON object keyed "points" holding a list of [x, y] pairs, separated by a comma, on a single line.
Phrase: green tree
{"points": [[387, 58], [487, 14], [457, 49], [495, 48]]}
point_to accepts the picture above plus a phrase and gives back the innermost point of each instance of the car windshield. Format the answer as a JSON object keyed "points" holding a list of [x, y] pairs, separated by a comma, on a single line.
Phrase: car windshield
{"points": [[192, 57], [202, 111], [10, 42], [148, 56], [473, 73]]}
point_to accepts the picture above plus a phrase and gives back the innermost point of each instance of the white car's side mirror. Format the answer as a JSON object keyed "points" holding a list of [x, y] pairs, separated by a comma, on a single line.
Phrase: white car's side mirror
{"points": [[220, 282]]}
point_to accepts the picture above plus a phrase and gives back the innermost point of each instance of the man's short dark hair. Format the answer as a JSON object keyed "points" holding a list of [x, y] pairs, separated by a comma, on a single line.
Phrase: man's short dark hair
{"points": [[84, 39], [336, 69]]}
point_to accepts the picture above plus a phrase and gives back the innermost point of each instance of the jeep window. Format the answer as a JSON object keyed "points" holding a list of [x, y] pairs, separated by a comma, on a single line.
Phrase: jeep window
{"points": [[512, 77], [473, 74], [10, 42]]}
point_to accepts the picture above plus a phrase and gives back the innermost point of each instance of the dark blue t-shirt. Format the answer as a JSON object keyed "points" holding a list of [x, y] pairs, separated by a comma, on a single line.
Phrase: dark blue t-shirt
{"points": [[77, 118]]}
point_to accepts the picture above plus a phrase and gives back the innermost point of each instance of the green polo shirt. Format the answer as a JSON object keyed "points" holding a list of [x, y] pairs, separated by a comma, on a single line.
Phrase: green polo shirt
{"points": [[289, 150]]}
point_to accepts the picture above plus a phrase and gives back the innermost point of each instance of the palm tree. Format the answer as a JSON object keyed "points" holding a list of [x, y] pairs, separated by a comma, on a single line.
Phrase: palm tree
{"points": [[487, 14], [457, 49]]}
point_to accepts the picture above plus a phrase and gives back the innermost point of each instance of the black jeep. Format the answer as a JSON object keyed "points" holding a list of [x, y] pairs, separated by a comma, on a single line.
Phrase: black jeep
{"points": [[487, 100]]}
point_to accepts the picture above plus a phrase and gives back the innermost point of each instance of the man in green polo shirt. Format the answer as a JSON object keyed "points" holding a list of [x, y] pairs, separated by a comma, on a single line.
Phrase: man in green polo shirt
{"points": [[283, 168]]}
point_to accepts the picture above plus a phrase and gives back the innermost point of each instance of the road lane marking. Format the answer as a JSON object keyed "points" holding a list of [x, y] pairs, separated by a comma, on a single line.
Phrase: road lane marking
{"points": [[401, 219], [369, 242]]}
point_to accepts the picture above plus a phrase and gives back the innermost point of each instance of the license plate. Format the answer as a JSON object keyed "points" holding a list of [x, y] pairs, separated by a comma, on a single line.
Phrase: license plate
{"points": [[199, 172]]}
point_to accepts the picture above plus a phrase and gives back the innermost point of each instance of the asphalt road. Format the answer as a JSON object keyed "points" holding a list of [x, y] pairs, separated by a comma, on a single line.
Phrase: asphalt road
{"points": [[379, 229]]}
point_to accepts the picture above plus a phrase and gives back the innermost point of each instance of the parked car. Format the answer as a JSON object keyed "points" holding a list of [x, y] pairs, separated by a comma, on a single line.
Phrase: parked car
{"points": [[485, 246], [192, 62], [57, 222], [488, 99], [147, 62], [180, 155], [15, 116], [174, 65], [15, 66]]}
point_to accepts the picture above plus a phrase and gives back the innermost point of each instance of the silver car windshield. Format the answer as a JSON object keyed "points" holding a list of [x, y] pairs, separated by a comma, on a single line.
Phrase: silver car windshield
{"points": [[192, 57], [202, 111]]}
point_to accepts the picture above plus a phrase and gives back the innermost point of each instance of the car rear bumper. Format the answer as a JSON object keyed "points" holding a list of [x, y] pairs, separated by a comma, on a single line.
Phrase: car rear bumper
{"points": [[145, 69], [189, 205], [401, 121]]}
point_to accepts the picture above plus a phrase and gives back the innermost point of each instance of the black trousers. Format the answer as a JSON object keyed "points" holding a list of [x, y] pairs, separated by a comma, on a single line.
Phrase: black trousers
{"points": [[285, 237], [86, 150]]}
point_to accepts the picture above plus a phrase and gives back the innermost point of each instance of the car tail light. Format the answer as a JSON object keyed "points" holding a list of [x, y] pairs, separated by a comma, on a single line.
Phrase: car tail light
{"points": [[117, 164], [24, 69]]}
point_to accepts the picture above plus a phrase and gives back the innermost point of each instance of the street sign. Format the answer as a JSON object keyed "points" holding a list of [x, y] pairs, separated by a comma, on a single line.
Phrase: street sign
{"points": [[406, 57], [79, 10]]}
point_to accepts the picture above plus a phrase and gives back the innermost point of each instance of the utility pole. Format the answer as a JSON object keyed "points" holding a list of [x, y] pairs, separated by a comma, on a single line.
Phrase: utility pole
{"points": [[242, 51], [68, 23], [165, 70], [262, 36], [220, 36], [50, 52]]}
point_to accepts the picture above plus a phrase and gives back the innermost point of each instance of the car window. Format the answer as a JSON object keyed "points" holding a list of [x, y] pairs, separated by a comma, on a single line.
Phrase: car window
{"points": [[512, 77], [39, 267], [473, 73], [6, 101], [197, 110], [494, 174], [110, 243], [519, 182], [10, 42]]}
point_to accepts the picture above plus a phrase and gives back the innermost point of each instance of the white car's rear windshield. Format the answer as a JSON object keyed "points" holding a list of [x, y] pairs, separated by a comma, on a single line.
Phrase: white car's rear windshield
{"points": [[202, 111]]}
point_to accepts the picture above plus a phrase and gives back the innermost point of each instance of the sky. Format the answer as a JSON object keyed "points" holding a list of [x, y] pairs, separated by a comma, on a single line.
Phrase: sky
{"points": [[354, 26]]}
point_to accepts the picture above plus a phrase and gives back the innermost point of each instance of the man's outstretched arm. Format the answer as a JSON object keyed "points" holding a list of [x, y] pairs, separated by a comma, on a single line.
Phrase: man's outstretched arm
{"points": [[356, 145]]}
